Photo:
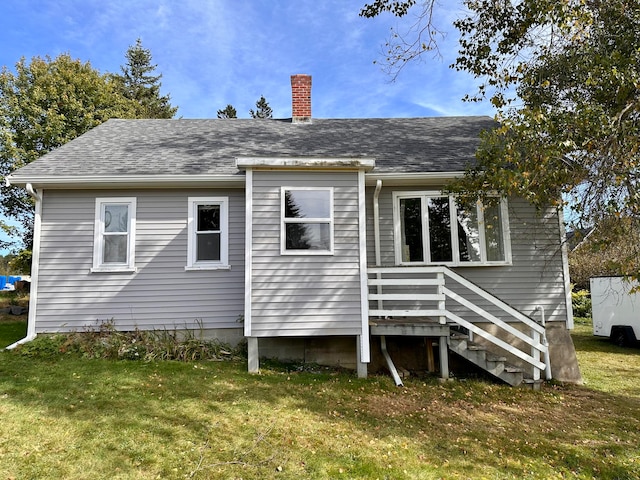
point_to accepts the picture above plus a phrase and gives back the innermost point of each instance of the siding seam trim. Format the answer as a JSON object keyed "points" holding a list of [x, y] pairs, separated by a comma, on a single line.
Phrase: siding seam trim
{"points": [[248, 245]]}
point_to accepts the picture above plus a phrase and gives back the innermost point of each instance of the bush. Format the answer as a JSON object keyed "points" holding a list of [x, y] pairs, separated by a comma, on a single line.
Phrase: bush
{"points": [[581, 301], [106, 342]]}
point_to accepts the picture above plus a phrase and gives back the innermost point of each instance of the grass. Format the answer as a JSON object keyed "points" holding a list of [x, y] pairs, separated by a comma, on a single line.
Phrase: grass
{"points": [[68, 417]]}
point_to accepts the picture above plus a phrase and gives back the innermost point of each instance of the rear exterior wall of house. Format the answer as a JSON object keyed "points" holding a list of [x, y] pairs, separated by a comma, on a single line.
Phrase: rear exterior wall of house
{"points": [[534, 277], [161, 293]]}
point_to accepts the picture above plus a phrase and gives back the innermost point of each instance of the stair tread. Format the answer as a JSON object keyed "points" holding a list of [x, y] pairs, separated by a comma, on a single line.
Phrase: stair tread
{"points": [[476, 347], [459, 336], [512, 369], [496, 358]]}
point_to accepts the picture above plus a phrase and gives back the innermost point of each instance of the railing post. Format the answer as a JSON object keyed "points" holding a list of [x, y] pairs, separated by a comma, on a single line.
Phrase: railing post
{"points": [[441, 303], [535, 353]]}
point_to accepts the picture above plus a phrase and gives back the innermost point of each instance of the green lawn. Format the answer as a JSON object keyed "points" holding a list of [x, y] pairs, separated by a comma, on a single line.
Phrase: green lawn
{"points": [[68, 417], [11, 329]]}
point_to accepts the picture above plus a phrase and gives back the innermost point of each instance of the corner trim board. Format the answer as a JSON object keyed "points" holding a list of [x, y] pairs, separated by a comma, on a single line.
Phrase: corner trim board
{"points": [[248, 258], [365, 350]]}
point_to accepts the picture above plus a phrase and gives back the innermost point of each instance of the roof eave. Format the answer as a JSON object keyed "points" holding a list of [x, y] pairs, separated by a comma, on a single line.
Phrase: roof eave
{"points": [[411, 178], [128, 181]]}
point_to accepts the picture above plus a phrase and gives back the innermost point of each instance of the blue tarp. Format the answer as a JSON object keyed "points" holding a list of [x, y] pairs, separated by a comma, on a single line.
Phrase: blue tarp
{"points": [[8, 279]]}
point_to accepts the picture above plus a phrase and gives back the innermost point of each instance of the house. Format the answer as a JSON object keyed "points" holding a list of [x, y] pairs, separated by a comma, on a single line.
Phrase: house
{"points": [[312, 238]]}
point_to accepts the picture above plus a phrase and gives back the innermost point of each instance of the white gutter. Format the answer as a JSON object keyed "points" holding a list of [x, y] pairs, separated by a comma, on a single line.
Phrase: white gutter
{"points": [[116, 181], [35, 261], [415, 178]]}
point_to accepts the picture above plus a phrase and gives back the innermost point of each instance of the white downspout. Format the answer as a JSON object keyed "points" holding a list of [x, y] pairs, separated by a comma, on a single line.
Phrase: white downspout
{"points": [[35, 262], [376, 234], [547, 360]]}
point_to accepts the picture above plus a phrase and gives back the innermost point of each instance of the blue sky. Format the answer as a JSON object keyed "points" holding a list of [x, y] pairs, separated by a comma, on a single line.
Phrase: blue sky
{"points": [[215, 52]]}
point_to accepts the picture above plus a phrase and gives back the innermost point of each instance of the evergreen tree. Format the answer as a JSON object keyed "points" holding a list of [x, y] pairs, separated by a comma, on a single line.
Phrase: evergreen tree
{"points": [[228, 112], [263, 110], [140, 85]]}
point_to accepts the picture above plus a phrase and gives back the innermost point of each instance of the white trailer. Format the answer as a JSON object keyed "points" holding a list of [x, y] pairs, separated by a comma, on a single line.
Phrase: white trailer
{"points": [[616, 309]]}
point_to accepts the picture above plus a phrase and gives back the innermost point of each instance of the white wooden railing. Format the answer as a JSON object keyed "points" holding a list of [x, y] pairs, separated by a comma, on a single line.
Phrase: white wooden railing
{"points": [[429, 292]]}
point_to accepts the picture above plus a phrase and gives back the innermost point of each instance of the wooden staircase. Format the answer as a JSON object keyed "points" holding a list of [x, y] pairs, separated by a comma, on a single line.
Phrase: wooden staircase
{"points": [[497, 366], [453, 302]]}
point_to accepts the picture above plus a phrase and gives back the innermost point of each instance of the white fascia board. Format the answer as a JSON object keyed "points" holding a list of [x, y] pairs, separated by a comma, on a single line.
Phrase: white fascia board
{"points": [[115, 181], [366, 164], [418, 178]]}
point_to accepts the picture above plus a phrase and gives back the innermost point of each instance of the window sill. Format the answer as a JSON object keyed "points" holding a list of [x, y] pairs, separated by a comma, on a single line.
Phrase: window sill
{"points": [[114, 270], [306, 252], [198, 268], [455, 265]]}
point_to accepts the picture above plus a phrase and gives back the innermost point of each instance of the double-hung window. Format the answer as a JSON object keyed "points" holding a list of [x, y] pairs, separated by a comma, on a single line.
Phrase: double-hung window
{"points": [[307, 221], [431, 228], [208, 232], [114, 235]]}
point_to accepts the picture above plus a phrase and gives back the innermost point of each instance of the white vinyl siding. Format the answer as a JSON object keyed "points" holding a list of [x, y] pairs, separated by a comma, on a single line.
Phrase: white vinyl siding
{"points": [[300, 294], [534, 276], [160, 294]]}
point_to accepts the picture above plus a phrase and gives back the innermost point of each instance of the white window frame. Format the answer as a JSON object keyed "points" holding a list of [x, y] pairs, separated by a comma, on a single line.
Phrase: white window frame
{"points": [[320, 220], [424, 195], [99, 233], [192, 224]]}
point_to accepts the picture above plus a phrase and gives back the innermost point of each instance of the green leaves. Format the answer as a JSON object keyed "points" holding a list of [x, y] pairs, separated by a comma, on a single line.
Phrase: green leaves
{"points": [[48, 102]]}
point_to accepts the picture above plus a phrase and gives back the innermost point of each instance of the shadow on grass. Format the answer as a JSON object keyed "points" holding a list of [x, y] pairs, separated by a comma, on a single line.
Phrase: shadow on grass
{"points": [[587, 342], [12, 329], [561, 428]]}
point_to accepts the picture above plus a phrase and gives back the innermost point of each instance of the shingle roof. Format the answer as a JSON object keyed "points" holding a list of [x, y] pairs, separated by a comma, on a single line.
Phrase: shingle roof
{"points": [[183, 147]]}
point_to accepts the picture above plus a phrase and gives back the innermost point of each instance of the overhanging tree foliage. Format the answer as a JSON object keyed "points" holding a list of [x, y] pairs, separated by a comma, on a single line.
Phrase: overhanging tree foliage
{"points": [[43, 105], [564, 76]]}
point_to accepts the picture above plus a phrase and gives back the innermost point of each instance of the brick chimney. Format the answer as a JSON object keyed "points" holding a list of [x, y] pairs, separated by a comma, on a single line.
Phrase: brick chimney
{"points": [[301, 98]]}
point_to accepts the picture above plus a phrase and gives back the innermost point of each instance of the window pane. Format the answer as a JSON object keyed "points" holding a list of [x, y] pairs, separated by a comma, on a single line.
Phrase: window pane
{"points": [[115, 249], [411, 229], [307, 204], [493, 233], [468, 235], [308, 236], [116, 218], [208, 218], [208, 247], [439, 229]]}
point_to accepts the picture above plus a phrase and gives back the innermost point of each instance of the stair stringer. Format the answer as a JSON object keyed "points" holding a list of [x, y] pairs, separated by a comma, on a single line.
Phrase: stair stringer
{"points": [[487, 361]]}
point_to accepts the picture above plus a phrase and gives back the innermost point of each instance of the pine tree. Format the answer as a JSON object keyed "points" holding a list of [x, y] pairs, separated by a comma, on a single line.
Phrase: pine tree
{"points": [[263, 110], [139, 84], [228, 112]]}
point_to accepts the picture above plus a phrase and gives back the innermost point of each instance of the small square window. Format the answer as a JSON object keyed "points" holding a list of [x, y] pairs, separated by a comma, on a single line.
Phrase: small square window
{"points": [[307, 221], [208, 233]]}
